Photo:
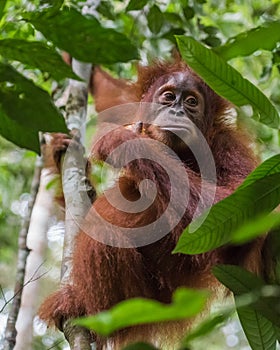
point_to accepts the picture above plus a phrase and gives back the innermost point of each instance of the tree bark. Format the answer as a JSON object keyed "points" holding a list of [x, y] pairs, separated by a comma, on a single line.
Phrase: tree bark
{"points": [[74, 188], [37, 243]]}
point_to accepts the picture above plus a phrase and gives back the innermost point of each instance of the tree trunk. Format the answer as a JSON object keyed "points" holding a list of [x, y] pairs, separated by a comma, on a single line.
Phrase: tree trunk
{"points": [[36, 242], [23, 252]]}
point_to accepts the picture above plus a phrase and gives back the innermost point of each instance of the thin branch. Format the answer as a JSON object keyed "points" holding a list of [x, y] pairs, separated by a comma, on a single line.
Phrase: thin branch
{"points": [[55, 345], [23, 252], [3, 295], [32, 279]]}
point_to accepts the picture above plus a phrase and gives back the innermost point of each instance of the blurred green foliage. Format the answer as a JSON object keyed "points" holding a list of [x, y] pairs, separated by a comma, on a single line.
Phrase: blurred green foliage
{"points": [[16, 169]]}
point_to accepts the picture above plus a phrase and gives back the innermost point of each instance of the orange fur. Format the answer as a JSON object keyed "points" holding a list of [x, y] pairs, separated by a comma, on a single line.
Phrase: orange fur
{"points": [[104, 275]]}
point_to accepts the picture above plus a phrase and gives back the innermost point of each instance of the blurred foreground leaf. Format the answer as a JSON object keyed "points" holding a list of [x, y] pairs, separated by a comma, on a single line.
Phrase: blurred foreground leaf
{"points": [[2, 7], [255, 228], [206, 326], [186, 303], [264, 37]]}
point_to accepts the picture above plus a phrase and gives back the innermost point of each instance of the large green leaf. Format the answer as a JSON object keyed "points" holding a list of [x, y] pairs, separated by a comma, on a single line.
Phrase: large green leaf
{"points": [[264, 37], [222, 223], [88, 40], [268, 167], [36, 55], [186, 303], [259, 330], [263, 223], [225, 80], [238, 280], [251, 291], [228, 215], [27, 104], [18, 134]]}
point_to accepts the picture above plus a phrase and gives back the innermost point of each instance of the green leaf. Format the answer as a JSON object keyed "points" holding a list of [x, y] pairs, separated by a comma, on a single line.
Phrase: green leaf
{"points": [[139, 346], [206, 327], [36, 55], [250, 291], [174, 19], [225, 80], [259, 330], [105, 9], [136, 5], [212, 41], [228, 215], [170, 35], [268, 167], [188, 12], [18, 134], [276, 57], [255, 228], [264, 37], [186, 303], [2, 8], [263, 223], [155, 19], [211, 30], [27, 104], [88, 42], [237, 279]]}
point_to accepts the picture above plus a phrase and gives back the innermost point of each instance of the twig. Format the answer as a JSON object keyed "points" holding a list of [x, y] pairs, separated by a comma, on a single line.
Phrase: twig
{"points": [[32, 279], [3, 295], [56, 344], [23, 252]]}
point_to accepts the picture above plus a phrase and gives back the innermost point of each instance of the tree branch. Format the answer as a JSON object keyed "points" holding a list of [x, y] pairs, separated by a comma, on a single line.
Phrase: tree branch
{"points": [[75, 191]]}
